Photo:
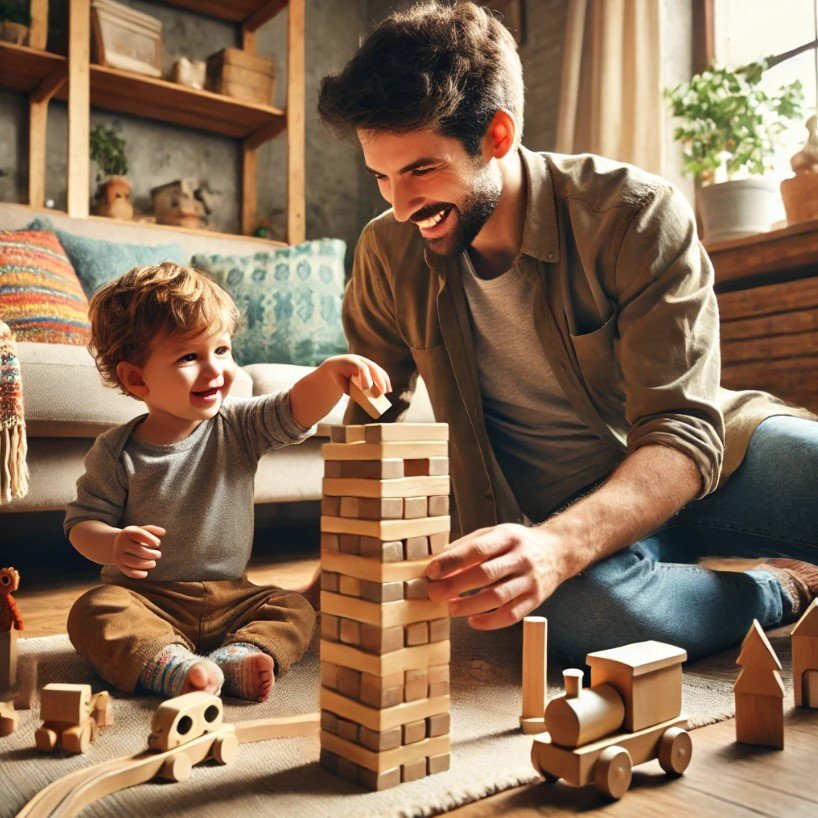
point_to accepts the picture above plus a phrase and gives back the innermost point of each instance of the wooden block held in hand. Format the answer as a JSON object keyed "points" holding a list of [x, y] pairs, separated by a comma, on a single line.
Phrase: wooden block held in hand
{"points": [[374, 405]]}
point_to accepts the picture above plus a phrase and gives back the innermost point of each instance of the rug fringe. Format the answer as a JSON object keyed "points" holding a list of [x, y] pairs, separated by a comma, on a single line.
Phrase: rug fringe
{"points": [[13, 467]]}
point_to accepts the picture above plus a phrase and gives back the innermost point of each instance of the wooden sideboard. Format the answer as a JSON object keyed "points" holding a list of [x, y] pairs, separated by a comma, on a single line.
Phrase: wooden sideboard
{"points": [[767, 289]]}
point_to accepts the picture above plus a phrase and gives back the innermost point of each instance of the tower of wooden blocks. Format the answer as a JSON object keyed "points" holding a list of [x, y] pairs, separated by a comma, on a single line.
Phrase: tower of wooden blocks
{"points": [[384, 644]]}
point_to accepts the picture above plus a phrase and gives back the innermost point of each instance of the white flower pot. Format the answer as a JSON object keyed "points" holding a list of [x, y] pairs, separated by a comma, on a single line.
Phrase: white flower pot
{"points": [[730, 210]]}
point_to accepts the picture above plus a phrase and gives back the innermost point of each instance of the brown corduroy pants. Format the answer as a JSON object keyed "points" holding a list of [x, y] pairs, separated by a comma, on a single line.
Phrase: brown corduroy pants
{"points": [[119, 627]]}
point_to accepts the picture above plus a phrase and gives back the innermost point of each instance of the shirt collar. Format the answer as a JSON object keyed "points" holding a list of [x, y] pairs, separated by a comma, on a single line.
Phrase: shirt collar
{"points": [[540, 234]]}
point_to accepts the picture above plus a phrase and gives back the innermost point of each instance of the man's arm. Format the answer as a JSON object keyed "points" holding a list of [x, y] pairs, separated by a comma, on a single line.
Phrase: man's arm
{"points": [[518, 567]]}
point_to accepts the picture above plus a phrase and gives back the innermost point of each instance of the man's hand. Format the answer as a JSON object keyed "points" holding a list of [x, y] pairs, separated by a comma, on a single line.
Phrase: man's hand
{"points": [[516, 569], [136, 549]]}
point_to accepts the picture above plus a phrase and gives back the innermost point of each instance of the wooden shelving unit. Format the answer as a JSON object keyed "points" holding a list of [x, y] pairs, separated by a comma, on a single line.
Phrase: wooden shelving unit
{"points": [[84, 86]]}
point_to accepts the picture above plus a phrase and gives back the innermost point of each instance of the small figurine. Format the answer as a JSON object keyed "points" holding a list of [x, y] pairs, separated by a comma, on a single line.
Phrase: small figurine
{"points": [[71, 717], [180, 203], [9, 718], [800, 192], [189, 72], [113, 199], [806, 160], [10, 622]]}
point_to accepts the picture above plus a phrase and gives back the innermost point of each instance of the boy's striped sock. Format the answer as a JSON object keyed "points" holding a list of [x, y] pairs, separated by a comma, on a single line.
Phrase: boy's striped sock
{"points": [[242, 677], [167, 673]]}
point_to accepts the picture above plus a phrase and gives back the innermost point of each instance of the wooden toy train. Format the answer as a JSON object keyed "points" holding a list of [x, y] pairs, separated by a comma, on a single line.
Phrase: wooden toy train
{"points": [[630, 714]]}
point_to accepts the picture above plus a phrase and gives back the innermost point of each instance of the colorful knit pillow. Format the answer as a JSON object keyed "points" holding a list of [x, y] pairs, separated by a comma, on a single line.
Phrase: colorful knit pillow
{"points": [[40, 295]]}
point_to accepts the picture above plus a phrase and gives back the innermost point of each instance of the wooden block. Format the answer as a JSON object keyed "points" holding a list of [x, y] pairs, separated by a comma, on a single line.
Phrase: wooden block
{"points": [[438, 764], [386, 451], [417, 634], [414, 731], [377, 718], [438, 542], [330, 542], [385, 615], [8, 659], [329, 675], [329, 721], [439, 505], [331, 506], [347, 730], [382, 780], [332, 469], [330, 627], [415, 507], [535, 667], [386, 529], [330, 581], [413, 770], [416, 684], [438, 724], [372, 508], [349, 680], [349, 586], [417, 588], [381, 592], [438, 677], [347, 434], [349, 544], [390, 551], [383, 432], [10, 719], [414, 658], [380, 741], [432, 466], [381, 692], [417, 548], [440, 629], [760, 720], [380, 640], [328, 760], [350, 632], [373, 404], [388, 468], [355, 566], [375, 487], [347, 769], [390, 758]]}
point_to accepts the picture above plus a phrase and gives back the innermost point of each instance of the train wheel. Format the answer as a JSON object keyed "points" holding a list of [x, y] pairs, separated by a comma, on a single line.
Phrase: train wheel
{"points": [[176, 768], [225, 749], [613, 772], [45, 739], [675, 750], [76, 739]]}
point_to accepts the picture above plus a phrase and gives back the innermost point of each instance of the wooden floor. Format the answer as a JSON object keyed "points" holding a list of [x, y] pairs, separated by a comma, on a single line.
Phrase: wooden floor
{"points": [[724, 779]]}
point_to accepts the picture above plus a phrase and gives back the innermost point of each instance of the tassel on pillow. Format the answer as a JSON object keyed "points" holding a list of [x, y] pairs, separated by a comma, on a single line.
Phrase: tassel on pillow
{"points": [[13, 469]]}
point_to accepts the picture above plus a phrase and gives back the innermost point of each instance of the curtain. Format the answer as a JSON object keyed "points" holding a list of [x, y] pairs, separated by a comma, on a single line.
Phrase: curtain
{"points": [[611, 95]]}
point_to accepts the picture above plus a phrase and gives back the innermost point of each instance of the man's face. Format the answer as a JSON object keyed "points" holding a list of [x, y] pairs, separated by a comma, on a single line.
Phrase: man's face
{"points": [[431, 180]]}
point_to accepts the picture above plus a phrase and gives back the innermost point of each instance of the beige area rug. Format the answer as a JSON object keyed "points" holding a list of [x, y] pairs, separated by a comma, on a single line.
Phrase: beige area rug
{"points": [[282, 777]]}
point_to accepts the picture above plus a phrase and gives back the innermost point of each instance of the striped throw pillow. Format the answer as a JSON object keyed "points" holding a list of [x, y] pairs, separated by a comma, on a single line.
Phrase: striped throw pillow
{"points": [[40, 295]]}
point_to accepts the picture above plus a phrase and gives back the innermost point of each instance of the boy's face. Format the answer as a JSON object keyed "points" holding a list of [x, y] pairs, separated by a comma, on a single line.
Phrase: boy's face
{"points": [[185, 379], [431, 180]]}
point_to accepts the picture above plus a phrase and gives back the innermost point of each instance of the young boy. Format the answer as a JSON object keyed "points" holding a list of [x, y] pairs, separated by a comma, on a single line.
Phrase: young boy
{"points": [[166, 501]]}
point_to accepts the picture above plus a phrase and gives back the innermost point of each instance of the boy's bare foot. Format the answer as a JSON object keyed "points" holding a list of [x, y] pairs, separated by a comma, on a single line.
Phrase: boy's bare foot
{"points": [[249, 673], [206, 676]]}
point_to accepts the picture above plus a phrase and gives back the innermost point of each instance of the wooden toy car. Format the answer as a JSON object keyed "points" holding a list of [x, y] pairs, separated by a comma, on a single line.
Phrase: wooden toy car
{"points": [[71, 717], [638, 687]]}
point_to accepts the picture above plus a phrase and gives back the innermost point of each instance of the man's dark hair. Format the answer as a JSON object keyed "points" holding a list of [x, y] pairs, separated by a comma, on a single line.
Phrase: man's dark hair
{"points": [[433, 66]]}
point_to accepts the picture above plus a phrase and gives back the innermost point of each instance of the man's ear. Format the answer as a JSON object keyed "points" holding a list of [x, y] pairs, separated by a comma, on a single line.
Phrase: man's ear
{"points": [[501, 134], [130, 376]]}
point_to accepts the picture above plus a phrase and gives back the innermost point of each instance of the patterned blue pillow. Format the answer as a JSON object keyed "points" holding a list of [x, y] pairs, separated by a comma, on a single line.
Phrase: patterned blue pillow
{"points": [[97, 261], [289, 299]]}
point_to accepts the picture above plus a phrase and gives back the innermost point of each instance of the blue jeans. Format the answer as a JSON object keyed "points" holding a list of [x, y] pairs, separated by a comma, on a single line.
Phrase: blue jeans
{"points": [[655, 589]]}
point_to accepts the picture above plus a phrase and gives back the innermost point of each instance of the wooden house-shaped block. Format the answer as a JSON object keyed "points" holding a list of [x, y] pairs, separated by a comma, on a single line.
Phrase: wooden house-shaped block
{"points": [[805, 658], [648, 676]]}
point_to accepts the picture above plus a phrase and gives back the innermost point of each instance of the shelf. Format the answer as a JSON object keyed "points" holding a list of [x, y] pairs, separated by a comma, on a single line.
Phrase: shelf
{"points": [[24, 69], [137, 95], [253, 12]]}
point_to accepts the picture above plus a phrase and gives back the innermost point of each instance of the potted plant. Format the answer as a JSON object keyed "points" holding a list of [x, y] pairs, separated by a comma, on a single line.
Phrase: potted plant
{"points": [[15, 20], [113, 194], [728, 122]]}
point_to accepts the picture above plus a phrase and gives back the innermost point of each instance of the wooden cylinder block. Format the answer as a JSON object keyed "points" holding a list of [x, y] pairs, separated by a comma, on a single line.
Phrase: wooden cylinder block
{"points": [[595, 712]]}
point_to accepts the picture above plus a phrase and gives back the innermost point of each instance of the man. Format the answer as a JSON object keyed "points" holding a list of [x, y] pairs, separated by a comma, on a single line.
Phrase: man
{"points": [[561, 312]]}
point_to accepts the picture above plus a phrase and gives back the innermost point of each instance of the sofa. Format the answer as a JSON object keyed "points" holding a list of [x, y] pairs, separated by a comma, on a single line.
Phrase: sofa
{"points": [[67, 405]]}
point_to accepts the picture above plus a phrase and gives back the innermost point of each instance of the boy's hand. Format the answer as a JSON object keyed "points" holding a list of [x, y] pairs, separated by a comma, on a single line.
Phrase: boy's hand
{"points": [[366, 374], [136, 549]]}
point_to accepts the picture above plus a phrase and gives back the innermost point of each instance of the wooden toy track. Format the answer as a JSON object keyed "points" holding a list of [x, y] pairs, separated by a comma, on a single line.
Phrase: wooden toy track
{"points": [[69, 795]]}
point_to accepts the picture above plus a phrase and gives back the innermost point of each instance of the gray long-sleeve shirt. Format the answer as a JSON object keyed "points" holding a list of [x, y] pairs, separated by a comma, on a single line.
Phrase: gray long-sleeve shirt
{"points": [[200, 490]]}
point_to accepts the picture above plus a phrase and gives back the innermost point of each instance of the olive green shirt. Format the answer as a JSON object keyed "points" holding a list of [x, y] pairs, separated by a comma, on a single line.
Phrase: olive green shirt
{"points": [[624, 308]]}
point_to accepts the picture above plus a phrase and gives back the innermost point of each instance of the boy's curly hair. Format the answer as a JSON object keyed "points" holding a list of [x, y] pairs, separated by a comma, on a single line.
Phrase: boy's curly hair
{"points": [[168, 298]]}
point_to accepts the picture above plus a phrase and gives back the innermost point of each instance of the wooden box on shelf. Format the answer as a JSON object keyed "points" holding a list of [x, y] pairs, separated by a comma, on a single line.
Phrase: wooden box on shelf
{"points": [[126, 39], [242, 75]]}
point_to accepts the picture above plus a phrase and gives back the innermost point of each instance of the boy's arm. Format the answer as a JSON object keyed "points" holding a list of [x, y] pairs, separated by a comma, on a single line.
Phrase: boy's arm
{"points": [[133, 549]]}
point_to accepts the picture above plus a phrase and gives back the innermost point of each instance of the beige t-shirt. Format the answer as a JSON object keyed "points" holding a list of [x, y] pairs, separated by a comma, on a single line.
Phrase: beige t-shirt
{"points": [[545, 451]]}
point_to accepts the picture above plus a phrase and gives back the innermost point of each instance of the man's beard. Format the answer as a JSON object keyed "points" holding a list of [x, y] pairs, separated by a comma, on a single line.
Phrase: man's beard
{"points": [[471, 217]]}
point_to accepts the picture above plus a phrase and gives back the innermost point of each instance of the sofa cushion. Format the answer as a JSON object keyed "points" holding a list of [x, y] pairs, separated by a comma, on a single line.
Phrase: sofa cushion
{"points": [[98, 261], [40, 297], [289, 299], [64, 396]]}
